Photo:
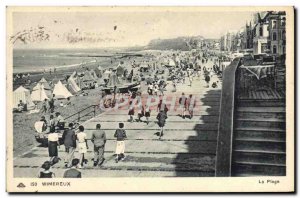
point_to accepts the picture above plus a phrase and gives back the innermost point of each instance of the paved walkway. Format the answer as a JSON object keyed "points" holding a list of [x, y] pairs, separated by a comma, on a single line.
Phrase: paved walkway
{"points": [[187, 149]]}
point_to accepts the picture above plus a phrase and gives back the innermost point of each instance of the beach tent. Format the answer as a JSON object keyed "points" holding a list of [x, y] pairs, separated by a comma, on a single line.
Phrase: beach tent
{"points": [[87, 77], [101, 82], [61, 91], [93, 74], [120, 70], [171, 63], [106, 74], [55, 80], [22, 94], [39, 93], [72, 85], [44, 82], [113, 81], [99, 72]]}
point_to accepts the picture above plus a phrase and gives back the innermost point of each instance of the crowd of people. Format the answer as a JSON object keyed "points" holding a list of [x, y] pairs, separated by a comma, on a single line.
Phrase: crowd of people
{"points": [[188, 66]]}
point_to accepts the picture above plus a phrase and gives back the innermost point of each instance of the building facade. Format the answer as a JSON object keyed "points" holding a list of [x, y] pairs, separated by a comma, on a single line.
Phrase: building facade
{"points": [[260, 35], [277, 33]]}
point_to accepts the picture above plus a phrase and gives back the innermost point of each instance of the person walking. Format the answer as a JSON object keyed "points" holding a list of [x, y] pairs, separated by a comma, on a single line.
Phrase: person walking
{"points": [[53, 143], [82, 145], [174, 86], [161, 117], [46, 173], [140, 112], [69, 139], [190, 105], [207, 79], [99, 140], [147, 113], [182, 105], [51, 124], [51, 104], [190, 79], [131, 111], [44, 106], [120, 134], [73, 172], [162, 106]]}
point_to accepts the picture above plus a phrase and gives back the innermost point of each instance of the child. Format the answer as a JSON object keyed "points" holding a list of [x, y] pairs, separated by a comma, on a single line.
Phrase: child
{"points": [[46, 173], [120, 134]]}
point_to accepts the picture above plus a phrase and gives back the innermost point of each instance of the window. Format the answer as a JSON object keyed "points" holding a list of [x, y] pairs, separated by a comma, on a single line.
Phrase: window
{"points": [[260, 31], [283, 21], [274, 36], [283, 34], [274, 24], [274, 49]]}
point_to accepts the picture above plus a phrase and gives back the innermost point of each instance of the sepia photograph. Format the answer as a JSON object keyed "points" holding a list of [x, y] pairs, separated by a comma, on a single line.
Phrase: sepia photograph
{"points": [[148, 96]]}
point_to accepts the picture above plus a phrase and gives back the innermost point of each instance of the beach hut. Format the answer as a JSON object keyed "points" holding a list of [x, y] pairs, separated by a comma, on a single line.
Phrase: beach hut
{"points": [[60, 91], [22, 94], [39, 93]]}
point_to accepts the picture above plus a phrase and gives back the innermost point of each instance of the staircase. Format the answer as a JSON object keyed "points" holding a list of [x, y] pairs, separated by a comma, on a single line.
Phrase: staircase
{"points": [[259, 138]]}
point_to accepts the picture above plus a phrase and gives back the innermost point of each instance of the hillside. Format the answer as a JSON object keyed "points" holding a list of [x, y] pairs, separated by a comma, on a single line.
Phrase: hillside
{"points": [[180, 43]]}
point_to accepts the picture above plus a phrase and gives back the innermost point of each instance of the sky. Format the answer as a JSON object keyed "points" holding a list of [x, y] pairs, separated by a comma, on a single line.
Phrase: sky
{"points": [[118, 29]]}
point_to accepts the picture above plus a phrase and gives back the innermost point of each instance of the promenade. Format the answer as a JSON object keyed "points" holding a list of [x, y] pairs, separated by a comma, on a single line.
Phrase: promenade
{"points": [[188, 147]]}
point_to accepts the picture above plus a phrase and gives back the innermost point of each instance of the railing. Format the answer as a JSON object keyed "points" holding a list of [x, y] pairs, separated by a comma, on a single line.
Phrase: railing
{"points": [[226, 120], [76, 117]]}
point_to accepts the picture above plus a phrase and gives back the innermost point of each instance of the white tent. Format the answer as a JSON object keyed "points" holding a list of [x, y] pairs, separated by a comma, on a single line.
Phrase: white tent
{"points": [[171, 63], [22, 94], [44, 82], [106, 74], [73, 87], [61, 91], [39, 93]]}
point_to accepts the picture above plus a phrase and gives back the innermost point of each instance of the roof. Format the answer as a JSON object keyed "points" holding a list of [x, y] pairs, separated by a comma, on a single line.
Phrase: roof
{"points": [[21, 89]]}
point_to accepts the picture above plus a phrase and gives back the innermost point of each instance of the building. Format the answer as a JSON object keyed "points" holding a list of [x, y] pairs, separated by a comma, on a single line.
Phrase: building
{"points": [[277, 33], [260, 35], [248, 36]]}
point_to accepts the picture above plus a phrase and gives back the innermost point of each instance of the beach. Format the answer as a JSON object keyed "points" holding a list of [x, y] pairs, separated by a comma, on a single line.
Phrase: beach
{"points": [[24, 124]]}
